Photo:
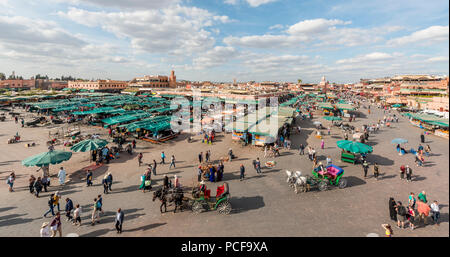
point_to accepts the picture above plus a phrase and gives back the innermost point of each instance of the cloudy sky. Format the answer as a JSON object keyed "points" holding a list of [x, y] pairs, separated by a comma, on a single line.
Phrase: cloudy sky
{"points": [[218, 40]]}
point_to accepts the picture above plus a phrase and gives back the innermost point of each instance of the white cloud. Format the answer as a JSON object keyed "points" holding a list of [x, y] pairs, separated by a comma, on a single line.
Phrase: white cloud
{"points": [[276, 26], [372, 57], [128, 4], [429, 35], [256, 3], [314, 26], [232, 2], [17, 29], [264, 41], [175, 30], [214, 57], [321, 32], [438, 59]]}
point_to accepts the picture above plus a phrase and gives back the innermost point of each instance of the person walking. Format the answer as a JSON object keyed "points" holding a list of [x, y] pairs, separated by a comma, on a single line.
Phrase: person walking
{"points": [[10, 181], [56, 198], [242, 172], [100, 200], [45, 182], [172, 162], [69, 208], [411, 217], [31, 181], [401, 215], [163, 157], [143, 179], [51, 206], [154, 167], [427, 150], [199, 173], [119, 220], [230, 154], [422, 138], [393, 209], [207, 156], [435, 212], [402, 172], [365, 168], [109, 181], [37, 185], [376, 171], [176, 181], [258, 166], [77, 215], [310, 153], [412, 200], [140, 156], [329, 161], [95, 212], [88, 178], [408, 172], [62, 176], [55, 225], [302, 149], [200, 157], [322, 144], [166, 182], [105, 184], [45, 230]]}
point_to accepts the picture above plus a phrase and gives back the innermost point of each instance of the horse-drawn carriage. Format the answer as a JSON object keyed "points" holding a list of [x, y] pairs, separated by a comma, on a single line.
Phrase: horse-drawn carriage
{"points": [[200, 201], [321, 178], [203, 201]]}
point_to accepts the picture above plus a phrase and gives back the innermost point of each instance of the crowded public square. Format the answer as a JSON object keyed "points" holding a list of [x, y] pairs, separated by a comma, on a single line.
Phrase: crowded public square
{"points": [[355, 168]]}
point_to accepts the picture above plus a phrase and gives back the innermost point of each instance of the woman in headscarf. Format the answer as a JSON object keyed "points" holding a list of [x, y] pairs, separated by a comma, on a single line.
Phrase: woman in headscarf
{"points": [[176, 181], [392, 211], [143, 177], [212, 174]]}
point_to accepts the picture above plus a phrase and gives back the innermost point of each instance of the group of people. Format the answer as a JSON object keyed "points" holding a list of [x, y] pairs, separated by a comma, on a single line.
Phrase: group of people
{"points": [[416, 211], [36, 185]]}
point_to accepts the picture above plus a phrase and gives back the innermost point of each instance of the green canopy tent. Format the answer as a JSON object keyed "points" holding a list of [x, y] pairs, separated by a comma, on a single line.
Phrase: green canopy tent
{"points": [[354, 147], [44, 160], [89, 145]]}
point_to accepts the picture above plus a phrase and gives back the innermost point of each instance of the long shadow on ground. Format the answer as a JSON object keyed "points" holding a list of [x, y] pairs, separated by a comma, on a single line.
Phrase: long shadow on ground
{"points": [[243, 204]]}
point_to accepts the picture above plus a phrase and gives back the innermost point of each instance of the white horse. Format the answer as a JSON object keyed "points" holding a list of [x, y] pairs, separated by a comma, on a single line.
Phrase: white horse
{"points": [[297, 181]]}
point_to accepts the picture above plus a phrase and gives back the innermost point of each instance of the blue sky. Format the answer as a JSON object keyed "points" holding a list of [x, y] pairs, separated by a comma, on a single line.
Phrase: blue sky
{"points": [[218, 40]]}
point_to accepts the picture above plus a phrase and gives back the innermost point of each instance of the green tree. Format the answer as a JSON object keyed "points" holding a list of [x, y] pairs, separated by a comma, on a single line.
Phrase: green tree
{"points": [[299, 81], [2, 76]]}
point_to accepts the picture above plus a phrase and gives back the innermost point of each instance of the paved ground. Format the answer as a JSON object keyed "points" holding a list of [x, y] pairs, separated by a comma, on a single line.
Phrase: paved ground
{"points": [[262, 205]]}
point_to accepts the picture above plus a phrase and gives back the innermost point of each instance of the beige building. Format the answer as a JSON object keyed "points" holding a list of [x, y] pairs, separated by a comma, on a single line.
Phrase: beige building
{"points": [[155, 81], [99, 85]]}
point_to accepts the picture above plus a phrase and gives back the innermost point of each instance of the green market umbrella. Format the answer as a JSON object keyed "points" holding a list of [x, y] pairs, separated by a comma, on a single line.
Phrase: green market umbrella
{"points": [[332, 118], [47, 158], [89, 145], [397, 105], [354, 147]]}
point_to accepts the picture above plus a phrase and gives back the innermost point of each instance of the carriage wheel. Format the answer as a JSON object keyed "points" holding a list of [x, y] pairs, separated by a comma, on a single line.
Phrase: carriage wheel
{"points": [[342, 183], [224, 207], [197, 207], [323, 186]]}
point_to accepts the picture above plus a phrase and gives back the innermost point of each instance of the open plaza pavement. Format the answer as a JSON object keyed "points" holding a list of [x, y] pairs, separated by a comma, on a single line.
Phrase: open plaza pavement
{"points": [[263, 205]]}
